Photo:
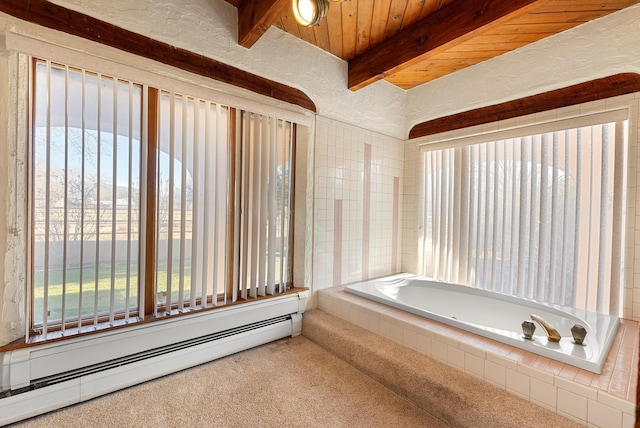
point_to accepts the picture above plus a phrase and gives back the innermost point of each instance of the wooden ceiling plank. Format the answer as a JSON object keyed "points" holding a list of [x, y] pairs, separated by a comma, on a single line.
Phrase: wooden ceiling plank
{"points": [[365, 17], [577, 18], [308, 35], [379, 21], [536, 28], [279, 24], [412, 13], [431, 6], [586, 5], [396, 16], [493, 40], [290, 25], [453, 55], [431, 35], [322, 36], [349, 28], [334, 24], [255, 17]]}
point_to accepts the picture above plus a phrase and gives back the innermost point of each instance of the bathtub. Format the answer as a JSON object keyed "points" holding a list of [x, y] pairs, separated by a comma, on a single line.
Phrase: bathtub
{"points": [[497, 316]]}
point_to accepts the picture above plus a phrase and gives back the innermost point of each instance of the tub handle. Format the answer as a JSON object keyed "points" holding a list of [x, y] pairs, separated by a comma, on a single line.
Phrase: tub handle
{"points": [[528, 327]]}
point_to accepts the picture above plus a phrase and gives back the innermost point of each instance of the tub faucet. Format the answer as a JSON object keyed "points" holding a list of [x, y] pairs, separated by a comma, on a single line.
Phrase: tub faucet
{"points": [[552, 333]]}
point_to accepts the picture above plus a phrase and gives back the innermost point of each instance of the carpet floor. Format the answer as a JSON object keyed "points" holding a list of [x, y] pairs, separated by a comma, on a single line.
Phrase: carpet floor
{"points": [[288, 383]]}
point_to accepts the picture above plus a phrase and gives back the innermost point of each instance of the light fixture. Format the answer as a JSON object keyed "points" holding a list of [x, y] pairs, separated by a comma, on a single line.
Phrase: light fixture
{"points": [[310, 12]]}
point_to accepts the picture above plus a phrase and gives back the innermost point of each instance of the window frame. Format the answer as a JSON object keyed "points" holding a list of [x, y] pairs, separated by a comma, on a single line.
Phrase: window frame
{"points": [[526, 126], [147, 309]]}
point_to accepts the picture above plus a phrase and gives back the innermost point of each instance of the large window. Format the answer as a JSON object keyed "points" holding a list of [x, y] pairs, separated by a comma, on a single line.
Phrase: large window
{"points": [[147, 202], [538, 214]]}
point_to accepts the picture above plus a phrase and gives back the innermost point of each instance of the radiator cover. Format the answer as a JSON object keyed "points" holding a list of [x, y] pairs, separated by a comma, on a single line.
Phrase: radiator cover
{"points": [[43, 378]]}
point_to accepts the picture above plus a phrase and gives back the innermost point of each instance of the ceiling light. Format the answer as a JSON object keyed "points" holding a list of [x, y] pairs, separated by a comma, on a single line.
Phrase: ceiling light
{"points": [[310, 12]]}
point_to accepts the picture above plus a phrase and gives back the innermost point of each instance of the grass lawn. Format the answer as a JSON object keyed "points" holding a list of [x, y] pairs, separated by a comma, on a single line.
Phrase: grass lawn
{"points": [[103, 289]]}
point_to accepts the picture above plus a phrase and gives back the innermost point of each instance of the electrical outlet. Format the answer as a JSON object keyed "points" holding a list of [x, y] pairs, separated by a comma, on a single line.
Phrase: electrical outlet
{"points": [[13, 325]]}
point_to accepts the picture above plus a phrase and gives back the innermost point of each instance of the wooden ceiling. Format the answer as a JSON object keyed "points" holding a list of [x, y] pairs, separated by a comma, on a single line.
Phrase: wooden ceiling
{"points": [[410, 42]]}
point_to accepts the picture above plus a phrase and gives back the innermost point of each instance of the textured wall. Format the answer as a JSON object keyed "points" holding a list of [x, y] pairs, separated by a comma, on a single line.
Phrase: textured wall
{"points": [[209, 27], [607, 46], [12, 197]]}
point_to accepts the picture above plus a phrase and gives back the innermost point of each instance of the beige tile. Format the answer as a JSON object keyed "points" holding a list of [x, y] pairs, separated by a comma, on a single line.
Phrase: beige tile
{"points": [[373, 324], [615, 402], [603, 416], [439, 350], [518, 383], [495, 373], [544, 392], [628, 420], [455, 357], [536, 373], [575, 388], [572, 404], [510, 364], [474, 350], [409, 338], [474, 365], [423, 344], [571, 417]]}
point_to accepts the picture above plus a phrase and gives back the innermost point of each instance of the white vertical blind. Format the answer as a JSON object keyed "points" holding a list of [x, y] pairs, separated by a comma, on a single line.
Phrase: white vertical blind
{"points": [[89, 194], [86, 135], [538, 216], [265, 151], [193, 156]]}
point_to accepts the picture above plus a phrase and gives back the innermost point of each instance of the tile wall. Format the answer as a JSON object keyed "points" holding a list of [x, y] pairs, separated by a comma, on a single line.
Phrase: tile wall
{"points": [[357, 204]]}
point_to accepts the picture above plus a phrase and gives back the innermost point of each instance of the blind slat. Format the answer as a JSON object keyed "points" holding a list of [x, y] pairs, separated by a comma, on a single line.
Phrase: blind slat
{"points": [[524, 203]]}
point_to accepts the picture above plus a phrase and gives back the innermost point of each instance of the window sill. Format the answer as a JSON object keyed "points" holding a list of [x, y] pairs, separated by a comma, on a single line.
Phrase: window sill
{"points": [[56, 336]]}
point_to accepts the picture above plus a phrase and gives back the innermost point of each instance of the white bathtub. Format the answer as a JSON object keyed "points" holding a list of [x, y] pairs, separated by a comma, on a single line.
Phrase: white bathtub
{"points": [[497, 316]]}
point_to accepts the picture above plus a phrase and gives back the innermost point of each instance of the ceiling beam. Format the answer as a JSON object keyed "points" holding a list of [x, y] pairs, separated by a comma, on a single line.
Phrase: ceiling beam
{"points": [[255, 17], [453, 24], [593, 90], [50, 15]]}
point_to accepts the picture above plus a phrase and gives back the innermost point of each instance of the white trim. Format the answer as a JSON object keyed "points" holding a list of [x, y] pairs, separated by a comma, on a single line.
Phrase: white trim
{"points": [[521, 131], [21, 367], [87, 387]]}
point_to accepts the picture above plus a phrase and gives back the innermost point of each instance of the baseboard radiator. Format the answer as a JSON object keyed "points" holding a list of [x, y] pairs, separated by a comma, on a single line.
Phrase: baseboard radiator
{"points": [[43, 378]]}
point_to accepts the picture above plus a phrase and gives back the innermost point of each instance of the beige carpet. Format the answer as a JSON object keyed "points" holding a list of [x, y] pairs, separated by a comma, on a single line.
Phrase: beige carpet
{"points": [[337, 375], [288, 383], [455, 397]]}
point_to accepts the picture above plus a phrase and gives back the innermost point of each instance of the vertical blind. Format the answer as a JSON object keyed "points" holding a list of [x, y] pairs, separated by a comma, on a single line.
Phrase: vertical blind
{"points": [[223, 188], [85, 207], [265, 184], [538, 216], [192, 202]]}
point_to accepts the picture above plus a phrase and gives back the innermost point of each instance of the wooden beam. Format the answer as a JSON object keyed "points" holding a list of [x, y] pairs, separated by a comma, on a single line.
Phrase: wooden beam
{"points": [[598, 89], [56, 17], [453, 24], [255, 17]]}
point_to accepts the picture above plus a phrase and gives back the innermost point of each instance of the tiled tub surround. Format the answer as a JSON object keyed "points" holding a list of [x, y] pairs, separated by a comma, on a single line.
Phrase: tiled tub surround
{"points": [[606, 400], [358, 185], [497, 316]]}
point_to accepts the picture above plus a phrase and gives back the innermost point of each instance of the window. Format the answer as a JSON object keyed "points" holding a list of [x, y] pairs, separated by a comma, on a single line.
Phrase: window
{"points": [[538, 214], [148, 202], [86, 196]]}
